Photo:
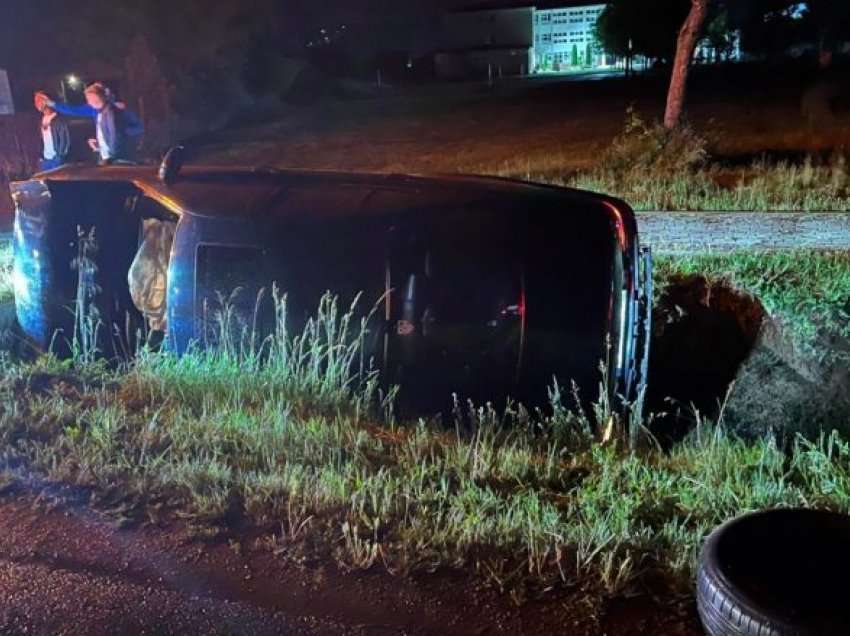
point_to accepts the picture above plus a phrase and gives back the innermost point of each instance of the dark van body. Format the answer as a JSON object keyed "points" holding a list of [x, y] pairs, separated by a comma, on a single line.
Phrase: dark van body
{"points": [[484, 288]]}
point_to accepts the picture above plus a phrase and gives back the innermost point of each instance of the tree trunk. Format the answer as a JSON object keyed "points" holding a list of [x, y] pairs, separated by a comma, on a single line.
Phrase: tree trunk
{"points": [[685, 47]]}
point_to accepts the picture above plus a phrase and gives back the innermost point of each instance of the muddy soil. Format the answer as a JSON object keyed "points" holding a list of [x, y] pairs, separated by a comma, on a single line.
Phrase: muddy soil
{"points": [[67, 569], [703, 334]]}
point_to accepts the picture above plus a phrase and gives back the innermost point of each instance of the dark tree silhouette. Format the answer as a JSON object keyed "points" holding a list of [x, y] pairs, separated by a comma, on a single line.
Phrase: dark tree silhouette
{"points": [[771, 27], [627, 27]]}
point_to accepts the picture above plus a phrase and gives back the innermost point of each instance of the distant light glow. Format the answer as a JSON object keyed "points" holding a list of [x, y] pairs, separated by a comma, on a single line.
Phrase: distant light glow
{"points": [[797, 11], [73, 81]]}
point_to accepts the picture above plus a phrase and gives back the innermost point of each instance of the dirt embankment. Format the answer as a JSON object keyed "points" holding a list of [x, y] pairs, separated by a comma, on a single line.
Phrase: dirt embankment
{"points": [[715, 348]]}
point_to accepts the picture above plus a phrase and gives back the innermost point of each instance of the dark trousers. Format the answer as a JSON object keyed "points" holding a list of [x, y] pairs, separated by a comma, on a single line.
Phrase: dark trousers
{"points": [[49, 164]]}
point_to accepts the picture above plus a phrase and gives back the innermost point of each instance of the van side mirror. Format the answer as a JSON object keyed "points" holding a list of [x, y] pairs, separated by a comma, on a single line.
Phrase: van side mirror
{"points": [[171, 164]]}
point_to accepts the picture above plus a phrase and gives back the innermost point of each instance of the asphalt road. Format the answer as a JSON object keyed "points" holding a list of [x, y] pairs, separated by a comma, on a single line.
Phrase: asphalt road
{"points": [[64, 573], [66, 569], [43, 597]]}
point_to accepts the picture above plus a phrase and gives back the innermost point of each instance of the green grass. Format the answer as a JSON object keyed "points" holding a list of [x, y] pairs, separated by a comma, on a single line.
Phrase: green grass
{"points": [[761, 187], [7, 292], [283, 433], [758, 188]]}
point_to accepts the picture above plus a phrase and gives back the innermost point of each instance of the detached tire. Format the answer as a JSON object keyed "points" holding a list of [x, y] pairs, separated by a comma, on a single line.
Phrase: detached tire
{"points": [[777, 573]]}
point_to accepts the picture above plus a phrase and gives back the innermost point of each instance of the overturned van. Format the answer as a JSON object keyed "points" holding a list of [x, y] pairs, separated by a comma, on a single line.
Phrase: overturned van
{"points": [[484, 288]]}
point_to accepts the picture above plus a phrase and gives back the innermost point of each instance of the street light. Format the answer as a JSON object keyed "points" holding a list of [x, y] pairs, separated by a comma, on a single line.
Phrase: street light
{"points": [[71, 80]]}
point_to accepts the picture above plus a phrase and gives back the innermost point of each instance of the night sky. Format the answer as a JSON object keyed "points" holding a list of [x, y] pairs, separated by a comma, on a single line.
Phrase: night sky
{"points": [[43, 34], [34, 32]]}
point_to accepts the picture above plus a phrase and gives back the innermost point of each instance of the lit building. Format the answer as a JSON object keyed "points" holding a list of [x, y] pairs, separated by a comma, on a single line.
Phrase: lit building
{"points": [[527, 39], [521, 40], [565, 39]]}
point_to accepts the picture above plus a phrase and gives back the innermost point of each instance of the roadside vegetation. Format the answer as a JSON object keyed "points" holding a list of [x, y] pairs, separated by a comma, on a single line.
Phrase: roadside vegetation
{"points": [[293, 436], [657, 169]]}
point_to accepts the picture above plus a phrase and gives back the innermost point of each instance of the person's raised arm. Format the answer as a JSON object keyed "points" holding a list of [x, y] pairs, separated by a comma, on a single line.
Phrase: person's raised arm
{"points": [[83, 110]]}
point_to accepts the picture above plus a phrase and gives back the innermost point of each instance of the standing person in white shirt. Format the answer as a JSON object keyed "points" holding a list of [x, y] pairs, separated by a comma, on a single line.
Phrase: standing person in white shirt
{"points": [[55, 136]]}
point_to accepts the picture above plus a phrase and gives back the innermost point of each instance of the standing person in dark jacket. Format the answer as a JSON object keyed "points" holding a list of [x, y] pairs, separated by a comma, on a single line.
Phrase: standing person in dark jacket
{"points": [[118, 131], [55, 136]]}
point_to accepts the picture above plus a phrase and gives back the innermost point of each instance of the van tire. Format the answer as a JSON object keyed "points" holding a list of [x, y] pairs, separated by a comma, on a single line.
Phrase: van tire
{"points": [[756, 575], [722, 614]]}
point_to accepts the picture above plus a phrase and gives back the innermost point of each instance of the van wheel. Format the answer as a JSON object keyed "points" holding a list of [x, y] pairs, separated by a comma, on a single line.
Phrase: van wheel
{"points": [[776, 573]]}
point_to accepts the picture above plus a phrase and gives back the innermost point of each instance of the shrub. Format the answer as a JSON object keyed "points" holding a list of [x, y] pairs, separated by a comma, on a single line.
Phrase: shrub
{"points": [[650, 150]]}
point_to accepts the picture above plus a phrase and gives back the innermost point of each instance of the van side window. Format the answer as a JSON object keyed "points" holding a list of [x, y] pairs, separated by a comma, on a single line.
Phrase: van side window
{"points": [[228, 281]]}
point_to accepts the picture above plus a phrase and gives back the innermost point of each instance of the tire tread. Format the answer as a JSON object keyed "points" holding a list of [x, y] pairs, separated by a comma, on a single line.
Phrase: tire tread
{"points": [[722, 615]]}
